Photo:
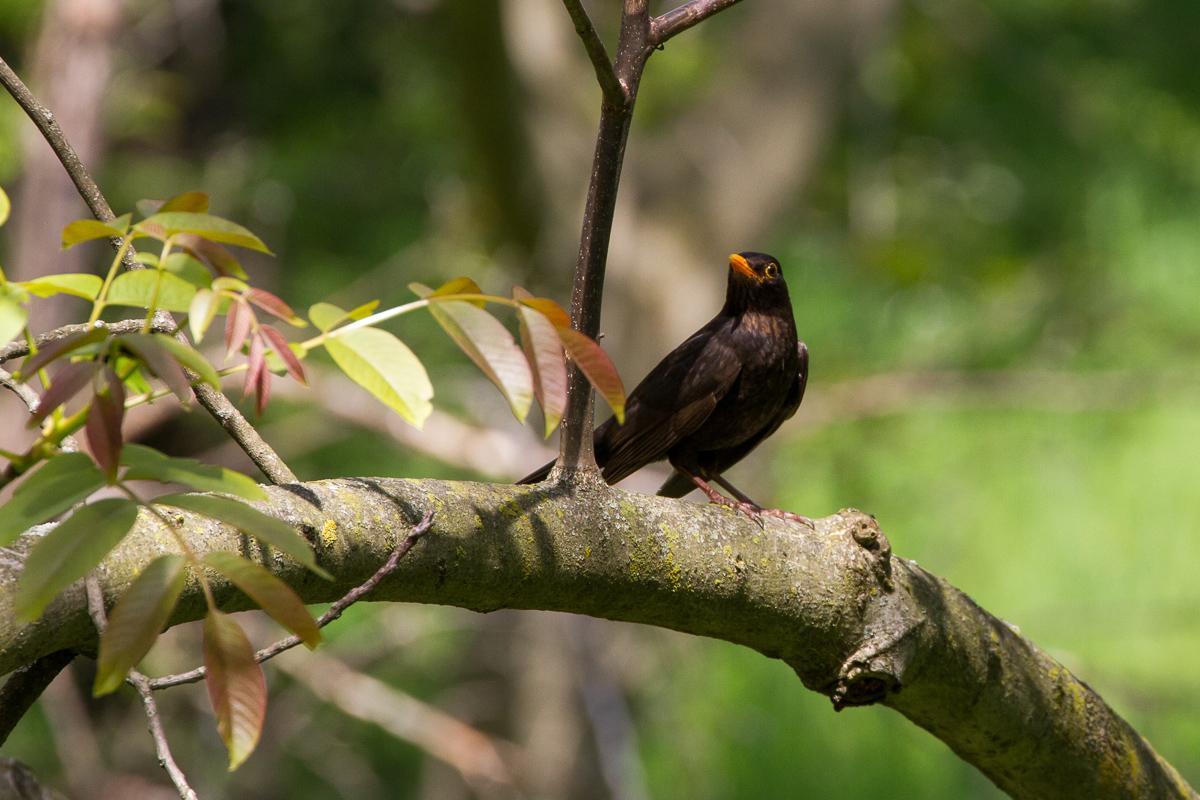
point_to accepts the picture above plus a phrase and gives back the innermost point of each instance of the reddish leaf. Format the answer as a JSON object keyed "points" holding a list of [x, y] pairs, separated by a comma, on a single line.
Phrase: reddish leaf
{"points": [[544, 352], [211, 253], [236, 686], [256, 363], [59, 349], [263, 390], [188, 201], [280, 346], [150, 350], [104, 423], [598, 368], [68, 382], [237, 326], [274, 306], [136, 621], [272, 595]]}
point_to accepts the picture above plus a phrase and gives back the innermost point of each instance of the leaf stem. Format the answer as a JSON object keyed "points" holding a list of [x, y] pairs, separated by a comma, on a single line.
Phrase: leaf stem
{"points": [[98, 305]]}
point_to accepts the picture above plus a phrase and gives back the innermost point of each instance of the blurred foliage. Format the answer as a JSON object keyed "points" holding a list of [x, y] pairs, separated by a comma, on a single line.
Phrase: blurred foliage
{"points": [[1007, 185]]}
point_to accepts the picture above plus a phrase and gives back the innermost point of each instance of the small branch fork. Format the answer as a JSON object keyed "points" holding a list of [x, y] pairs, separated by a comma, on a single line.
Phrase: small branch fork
{"points": [[216, 403], [640, 35]]}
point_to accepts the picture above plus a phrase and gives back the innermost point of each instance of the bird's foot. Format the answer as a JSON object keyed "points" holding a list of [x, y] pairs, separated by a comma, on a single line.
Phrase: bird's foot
{"points": [[788, 515], [749, 509]]}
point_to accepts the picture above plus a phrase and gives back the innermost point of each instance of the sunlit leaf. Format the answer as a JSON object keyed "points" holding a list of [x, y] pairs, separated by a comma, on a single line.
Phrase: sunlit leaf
{"points": [[85, 230], [79, 284], [365, 310], [551, 310], [272, 595], [237, 327], [103, 427], [69, 550], [188, 268], [598, 368], [68, 381], [212, 254], [201, 312], [206, 226], [64, 346], [275, 306], [236, 686], [146, 258], [460, 285], [326, 316], [159, 360], [136, 621], [137, 289], [5, 206], [280, 347], [13, 316], [49, 490], [188, 201], [489, 344], [147, 464], [547, 362], [251, 521], [384, 366], [190, 358]]}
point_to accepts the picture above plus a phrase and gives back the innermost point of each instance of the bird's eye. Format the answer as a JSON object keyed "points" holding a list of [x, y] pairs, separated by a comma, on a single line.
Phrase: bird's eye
{"points": [[772, 270]]}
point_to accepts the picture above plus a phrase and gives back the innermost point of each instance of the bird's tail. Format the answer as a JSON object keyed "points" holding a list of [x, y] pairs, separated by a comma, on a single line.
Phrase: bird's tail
{"points": [[538, 475]]}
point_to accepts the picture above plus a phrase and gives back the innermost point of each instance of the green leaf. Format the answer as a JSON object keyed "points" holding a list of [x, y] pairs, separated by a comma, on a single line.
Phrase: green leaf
{"points": [[206, 226], [85, 230], [51, 489], [69, 550], [13, 316], [136, 621], [79, 284], [272, 595], [489, 344], [191, 358], [460, 285], [5, 206], [547, 363], [365, 310], [188, 201], [251, 521], [189, 269], [147, 464], [236, 686], [156, 359], [384, 366], [326, 316], [201, 312], [137, 289]]}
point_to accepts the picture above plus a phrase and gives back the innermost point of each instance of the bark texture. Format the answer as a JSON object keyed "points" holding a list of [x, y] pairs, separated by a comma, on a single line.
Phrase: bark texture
{"points": [[855, 622]]}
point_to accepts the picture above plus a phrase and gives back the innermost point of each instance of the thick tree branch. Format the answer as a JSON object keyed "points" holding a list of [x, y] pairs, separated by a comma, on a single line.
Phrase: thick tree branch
{"points": [[606, 76], [25, 686], [854, 622], [678, 20], [213, 401]]}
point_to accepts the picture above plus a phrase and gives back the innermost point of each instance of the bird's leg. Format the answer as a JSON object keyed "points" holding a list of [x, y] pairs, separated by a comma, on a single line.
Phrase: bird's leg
{"points": [[770, 512], [750, 509]]}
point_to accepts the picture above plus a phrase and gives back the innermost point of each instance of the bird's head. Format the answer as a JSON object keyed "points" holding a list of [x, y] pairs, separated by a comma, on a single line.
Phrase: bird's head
{"points": [[755, 281]]}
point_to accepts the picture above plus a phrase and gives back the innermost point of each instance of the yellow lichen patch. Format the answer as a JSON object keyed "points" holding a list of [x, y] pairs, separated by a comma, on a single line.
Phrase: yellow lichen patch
{"points": [[329, 533], [587, 551], [511, 509]]}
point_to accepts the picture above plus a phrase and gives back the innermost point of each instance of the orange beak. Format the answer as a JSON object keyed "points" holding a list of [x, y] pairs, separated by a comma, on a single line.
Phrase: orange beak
{"points": [[741, 265]]}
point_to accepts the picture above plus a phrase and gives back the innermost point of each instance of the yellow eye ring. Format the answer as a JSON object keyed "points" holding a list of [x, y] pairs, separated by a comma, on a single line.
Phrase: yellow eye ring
{"points": [[772, 271]]}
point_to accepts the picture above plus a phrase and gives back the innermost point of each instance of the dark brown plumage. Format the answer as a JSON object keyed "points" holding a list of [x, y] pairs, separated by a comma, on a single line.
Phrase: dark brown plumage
{"points": [[717, 396]]}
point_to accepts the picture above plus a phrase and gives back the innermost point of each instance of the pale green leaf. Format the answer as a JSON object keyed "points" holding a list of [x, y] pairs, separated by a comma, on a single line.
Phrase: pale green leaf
{"points": [[13, 316], [5, 206], [79, 284], [70, 550], [51, 489], [85, 230], [236, 686], [326, 316], [272, 595], [188, 268], [136, 621], [190, 358], [385, 367], [137, 289], [206, 226], [268, 530], [201, 312], [147, 464]]}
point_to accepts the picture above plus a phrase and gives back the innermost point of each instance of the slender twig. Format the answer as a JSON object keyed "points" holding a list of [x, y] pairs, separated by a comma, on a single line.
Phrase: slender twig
{"points": [[350, 598], [606, 76], [31, 400], [678, 20], [95, 604], [19, 348], [216, 403], [26, 685]]}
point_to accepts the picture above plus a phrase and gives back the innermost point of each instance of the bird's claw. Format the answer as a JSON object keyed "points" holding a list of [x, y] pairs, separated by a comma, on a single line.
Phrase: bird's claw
{"points": [[788, 515]]}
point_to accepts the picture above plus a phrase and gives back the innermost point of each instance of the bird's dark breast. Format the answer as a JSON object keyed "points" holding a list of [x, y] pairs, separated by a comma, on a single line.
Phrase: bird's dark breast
{"points": [[766, 347]]}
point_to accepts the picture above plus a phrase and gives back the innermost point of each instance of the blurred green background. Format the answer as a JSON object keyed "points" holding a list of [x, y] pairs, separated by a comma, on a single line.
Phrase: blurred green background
{"points": [[989, 216]]}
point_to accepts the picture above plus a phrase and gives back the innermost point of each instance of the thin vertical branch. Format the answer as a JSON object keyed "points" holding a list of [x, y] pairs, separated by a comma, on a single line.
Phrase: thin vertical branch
{"points": [[678, 20], [606, 76], [216, 403], [633, 48]]}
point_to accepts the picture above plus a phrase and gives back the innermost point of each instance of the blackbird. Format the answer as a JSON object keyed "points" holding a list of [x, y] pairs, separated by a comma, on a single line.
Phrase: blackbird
{"points": [[715, 397]]}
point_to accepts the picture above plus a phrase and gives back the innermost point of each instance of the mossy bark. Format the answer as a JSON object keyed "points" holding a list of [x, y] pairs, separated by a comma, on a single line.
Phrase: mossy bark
{"points": [[855, 622]]}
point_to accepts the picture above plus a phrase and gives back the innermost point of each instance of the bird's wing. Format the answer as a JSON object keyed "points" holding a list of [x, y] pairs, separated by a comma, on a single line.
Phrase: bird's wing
{"points": [[670, 403]]}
